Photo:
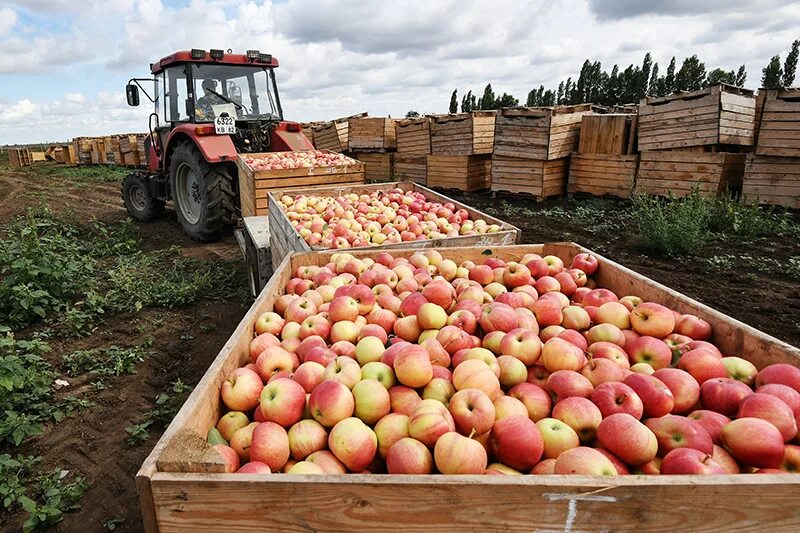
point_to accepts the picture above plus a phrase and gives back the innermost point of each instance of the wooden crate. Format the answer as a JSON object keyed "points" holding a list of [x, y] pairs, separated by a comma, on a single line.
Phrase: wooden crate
{"points": [[779, 128], [467, 173], [333, 135], [308, 130], [371, 133], [722, 114], [538, 132], [539, 178], [463, 133], [182, 488], [613, 134], [602, 174], [413, 136], [378, 166], [284, 239], [772, 180], [255, 184], [662, 172], [19, 157], [411, 168]]}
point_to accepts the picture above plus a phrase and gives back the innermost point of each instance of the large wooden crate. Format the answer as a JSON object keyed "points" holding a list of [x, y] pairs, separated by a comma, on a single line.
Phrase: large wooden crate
{"points": [[413, 136], [664, 172], [284, 239], [182, 488], [463, 133], [333, 135], [772, 180], [378, 166], [411, 168], [779, 128], [602, 174], [19, 157], [721, 114], [612, 134], [255, 184], [540, 178], [467, 173], [371, 133], [538, 132]]}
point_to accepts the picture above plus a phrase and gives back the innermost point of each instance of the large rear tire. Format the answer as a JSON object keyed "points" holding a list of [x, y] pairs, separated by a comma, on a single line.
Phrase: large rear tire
{"points": [[140, 204], [202, 194]]}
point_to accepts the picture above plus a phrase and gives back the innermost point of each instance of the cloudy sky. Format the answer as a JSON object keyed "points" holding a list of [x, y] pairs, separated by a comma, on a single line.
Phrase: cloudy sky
{"points": [[64, 64]]}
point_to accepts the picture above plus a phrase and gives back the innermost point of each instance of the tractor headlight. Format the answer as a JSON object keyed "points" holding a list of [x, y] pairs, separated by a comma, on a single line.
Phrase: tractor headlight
{"points": [[198, 54], [217, 54], [265, 58], [253, 55]]}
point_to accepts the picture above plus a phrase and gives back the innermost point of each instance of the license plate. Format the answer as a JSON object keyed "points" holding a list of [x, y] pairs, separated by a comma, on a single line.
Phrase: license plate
{"points": [[225, 126]]}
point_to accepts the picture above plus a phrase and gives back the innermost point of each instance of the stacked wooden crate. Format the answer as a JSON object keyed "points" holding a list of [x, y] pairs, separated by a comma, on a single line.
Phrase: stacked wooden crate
{"points": [[532, 148], [605, 163], [413, 148], [695, 140], [772, 174], [373, 141], [333, 135], [19, 157], [129, 147], [461, 148]]}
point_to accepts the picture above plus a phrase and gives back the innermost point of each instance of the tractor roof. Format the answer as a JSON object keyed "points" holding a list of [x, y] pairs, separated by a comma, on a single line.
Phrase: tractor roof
{"points": [[223, 58]]}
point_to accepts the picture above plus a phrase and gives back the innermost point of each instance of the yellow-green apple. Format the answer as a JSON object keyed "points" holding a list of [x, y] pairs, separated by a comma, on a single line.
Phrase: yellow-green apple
{"points": [[584, 461], [790, 396], [773, 410], [404, 399], [473, 293], [642, 368], [472, 410], [523, 344], [343, 370], [379, 371], [559, 354], [242, 389], [615, 397], [754, 442], [390, 429], [456, 454], [431, 316], [675, 431], [495, 289], [275, 359], [586, 262], [440, 292], [344, 331], [230, 423], [622, 468], [614, 313], [499, 469], [413, 368], [534, 398], [261, 343], [557, 437], [574, 317], [439, 389], [331, 402], [369, 349], [548, 312], [283, 402], [545, 467], [782, 373], [315, 325], [241, 440], [372, 401], [685, 389], [326, 293], [646, 349], [254, 467], [507, 406], [655, 320], [517, 442], [581, 415], [690, 461], [353, 443], [567, 383], [270, 445], [694, 327], [516, 274], [447, 269], [605, 333], [299, 309], [306, 437], [481, 354], [711, 421], [599, 370], [476, 374], [554, 264], [229, 457], [610, 351], [430, 420], [305, 468], [627, 438], [512, 371], [427, 334], [703, 365], [740, 369], [791, 459], [407, 328], [657, 398], [723, 395], [409, 456], [498, 316], [630, 301], [463, 319]]}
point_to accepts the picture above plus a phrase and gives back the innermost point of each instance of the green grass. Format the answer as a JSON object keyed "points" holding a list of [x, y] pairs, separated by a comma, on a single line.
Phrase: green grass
{"points": [[81, 174], [111, 361]]}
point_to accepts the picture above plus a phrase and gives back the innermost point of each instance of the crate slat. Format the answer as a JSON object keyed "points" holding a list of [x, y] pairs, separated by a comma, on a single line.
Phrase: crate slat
{"points": [[411, 168], [413, 136], [539, 132], [378, 166], [462, 172], [602, 174], [678, 172], [779, 128], [463, 133], [772, 180], [375, 133], [539, 178]]}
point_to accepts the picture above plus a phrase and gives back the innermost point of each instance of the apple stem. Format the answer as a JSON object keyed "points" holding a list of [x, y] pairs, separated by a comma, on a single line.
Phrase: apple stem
{"points": [[471, 433]]}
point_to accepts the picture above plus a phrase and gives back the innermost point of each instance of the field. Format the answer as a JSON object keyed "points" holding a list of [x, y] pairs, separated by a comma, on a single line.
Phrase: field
{"points": [[141, 311]]}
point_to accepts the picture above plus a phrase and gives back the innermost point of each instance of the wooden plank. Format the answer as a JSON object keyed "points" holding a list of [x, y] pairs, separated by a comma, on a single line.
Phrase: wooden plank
{"points": [[371, 133], [377, 166], [413, 136], [601, 174], [772, 180]]}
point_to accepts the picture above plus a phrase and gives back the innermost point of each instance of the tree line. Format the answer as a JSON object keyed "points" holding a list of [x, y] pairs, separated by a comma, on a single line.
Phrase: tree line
{"points": [[628, 86]]}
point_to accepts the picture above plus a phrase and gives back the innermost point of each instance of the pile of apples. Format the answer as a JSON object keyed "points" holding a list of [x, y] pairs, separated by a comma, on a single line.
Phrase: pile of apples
{"points": [[381, 217], [423, 365], [301, 159]]}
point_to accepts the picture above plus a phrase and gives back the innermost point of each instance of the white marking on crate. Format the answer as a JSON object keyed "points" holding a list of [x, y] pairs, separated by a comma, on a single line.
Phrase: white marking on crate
{"points": [[572, 508]]}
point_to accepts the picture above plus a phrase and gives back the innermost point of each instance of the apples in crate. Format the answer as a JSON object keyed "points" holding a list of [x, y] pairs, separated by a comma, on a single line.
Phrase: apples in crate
{"points": [[302, 159]]}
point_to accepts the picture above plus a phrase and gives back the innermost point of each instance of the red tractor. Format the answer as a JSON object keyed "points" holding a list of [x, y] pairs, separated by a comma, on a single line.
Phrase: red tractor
{"points": [[209, 107]]}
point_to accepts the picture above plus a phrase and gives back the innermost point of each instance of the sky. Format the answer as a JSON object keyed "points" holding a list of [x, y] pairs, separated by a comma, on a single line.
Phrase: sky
{"points": [[64, 64]]}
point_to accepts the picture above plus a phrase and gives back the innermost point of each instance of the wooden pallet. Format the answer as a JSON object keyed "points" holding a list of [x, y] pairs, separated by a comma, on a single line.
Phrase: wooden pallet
{"points": [[539, 132], [378, 166], [540, 178], [722, 114], [333, 135], [463, 133], [182, 486], [772, 180], [779, 128], [255, 184], [613, 134], [414, 136], [602, 174], [372, 133], [411, 168], [665, 172], [466, 173]]}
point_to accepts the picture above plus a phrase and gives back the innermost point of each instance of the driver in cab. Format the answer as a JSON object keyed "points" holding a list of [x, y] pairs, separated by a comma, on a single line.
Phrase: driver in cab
{"points": [[204, 109]]}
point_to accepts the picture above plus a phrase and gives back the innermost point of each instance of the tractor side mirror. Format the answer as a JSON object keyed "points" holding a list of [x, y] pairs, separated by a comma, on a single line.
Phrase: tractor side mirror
{"points": [[132, 94]]}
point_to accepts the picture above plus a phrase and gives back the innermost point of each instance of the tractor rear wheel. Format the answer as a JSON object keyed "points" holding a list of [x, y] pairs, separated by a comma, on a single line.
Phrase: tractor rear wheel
{"points": [[138, 201], [202, 193]]}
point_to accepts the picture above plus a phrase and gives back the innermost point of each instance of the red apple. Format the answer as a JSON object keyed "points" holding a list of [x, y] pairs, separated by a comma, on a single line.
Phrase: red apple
{"points": [[754, 442], [673, 431], [413, 368], [685, 389], [535, 399], [613, 397], [563, 384], [790, 396], [723, 395], [702, 364], [517, 442], [472, 410], [270, 445], [657, 398], [650, 350], [409, 456], [353, 443], [694, 327], [390, 429], [599, 371], [242, 389], [690, 461], [457, 454], [331, 402], [711, 421], [584, 461], [283, 402], [782, 373], [772, 409], [306, 437], [559, 354], [627, 438], [652, 319]]}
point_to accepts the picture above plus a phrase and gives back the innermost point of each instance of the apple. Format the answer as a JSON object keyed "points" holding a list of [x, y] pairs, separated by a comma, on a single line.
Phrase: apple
{"points": [[723, 395], [283, 402], [343, 308], [429, 421], [694, 327], [690, 461], [646, 349], [476, 374], [615, 397], [507, 406], [315, 325], [586, 262], [499, 469], [584, 461], [372, 401], [407, 328], [344, 370], [581, 415], [650, 318], [330, 402], [242, 439], [380, 372], [353, 443], [782, 373], [614, 313], [627, 438], [548, 312], [306, 437], [440, 292], [229, 457], [605, 333], [305, 468], [545, 467], [390, 429], [610, 351], [772, 409], [574, 317], [439, 389], [559, 354], [512, 371], [472, 410], [702, 364], [557, 437], [685, 389], [657, 398], [403, 399], [790, 396], [436, 352], [517, 442], [409, 456], [254, 467], [270, 445], [431, 316], [230, 423], [412, 366], [516, 275], [598, 297], [674, 431], [498, 317], [563, 384], [740, 370], [261, 343], [242, 389], [754, 442], [523, 344], [456, 454], [600, 370], [711, 421], [535, 399]]}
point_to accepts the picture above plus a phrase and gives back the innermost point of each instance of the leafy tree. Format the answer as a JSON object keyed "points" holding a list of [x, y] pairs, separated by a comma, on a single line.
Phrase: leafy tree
{"points": [[691, 75], [454, 101], [506, 100], [669, 79], [652, 86], [772, 74], [644, 79], [790, 65], [534, 97], [741, 76], [718, 75], [412, 114], [467, 102], [487, 101], [568, 91], [549, 98], [560, 93], [473, 103]]}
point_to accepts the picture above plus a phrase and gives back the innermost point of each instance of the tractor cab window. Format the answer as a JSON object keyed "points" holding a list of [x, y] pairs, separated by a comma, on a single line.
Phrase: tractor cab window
{"points": [[177, 103], [242, 92], [160, 100]]}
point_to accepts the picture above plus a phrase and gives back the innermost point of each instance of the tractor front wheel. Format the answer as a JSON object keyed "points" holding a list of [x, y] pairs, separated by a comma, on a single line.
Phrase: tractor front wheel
{"points": [[201, 192], [138, 201]]}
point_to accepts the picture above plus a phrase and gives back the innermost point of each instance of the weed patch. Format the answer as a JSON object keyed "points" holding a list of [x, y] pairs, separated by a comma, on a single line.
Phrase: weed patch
{"points": [[167, 405]]}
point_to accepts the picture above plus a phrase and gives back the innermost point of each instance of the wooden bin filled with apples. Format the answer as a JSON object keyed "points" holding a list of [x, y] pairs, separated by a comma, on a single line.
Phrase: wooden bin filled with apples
{"points": [[183, 484], [285, 238]]}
